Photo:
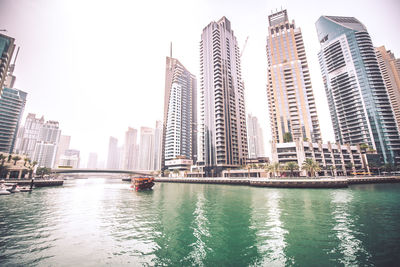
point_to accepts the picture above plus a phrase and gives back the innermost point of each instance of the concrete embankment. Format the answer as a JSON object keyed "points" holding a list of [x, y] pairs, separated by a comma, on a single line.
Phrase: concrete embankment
{"points": [[285, 182], [288, 183], [37, 183]]}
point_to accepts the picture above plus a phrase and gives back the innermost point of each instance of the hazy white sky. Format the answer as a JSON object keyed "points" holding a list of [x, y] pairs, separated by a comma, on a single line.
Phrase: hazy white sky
{"points": [[98, 66]]}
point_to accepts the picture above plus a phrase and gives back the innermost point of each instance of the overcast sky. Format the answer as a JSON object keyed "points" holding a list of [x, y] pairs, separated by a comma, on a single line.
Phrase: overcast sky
{"points": [[98, 67]]}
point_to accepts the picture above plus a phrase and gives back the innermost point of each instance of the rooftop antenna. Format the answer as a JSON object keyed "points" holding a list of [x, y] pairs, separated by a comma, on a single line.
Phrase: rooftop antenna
{"points": [[170, 50], [16, 55], [3, 30]]}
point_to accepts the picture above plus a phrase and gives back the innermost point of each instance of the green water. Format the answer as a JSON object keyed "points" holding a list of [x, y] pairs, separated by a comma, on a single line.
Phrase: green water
{"points": [[97, 222]]}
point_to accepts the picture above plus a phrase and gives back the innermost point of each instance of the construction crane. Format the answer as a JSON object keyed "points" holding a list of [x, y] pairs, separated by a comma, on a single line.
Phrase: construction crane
{"points": [[244, 46]]}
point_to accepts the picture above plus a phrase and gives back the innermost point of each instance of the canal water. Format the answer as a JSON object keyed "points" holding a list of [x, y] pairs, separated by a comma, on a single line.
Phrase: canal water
{"points": [[95, 222]]}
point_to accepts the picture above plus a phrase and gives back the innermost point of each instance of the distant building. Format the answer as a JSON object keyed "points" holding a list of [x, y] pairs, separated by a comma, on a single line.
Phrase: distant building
{"points": [[12, 104], [146, 149], [222, 128], [113, 155], [358, 100], [7, 47], [46, 145], [28, 135], [71, 158], [130, 149], [180, 116], [334, 159], [92, 161], [158, 145], [390, 68], [63, 145], [255, 137]]}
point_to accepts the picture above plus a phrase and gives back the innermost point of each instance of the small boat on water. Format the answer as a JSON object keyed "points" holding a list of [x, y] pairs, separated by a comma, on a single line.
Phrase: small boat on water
{"points": [[3, 190], [142, 183], [12, 187]]}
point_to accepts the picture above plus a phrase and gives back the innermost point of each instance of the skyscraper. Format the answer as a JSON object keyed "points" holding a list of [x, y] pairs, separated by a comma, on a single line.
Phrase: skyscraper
{"points": [[146, 149], [46, 146], [92, 161], [113, 157], [63, 145], [6, 52], [390, 68], [12, 104], [358, 101], [130, 149], [180, 116], [255, 137], [293, 114], [158, 135], [222, 129]]}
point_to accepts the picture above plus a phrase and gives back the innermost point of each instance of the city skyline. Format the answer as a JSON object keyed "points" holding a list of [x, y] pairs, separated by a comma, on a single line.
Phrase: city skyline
{"points": [[67, 98]]}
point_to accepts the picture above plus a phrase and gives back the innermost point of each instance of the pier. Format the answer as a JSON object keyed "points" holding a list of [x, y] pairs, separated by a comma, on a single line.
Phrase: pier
{"points": [[37, 183]]}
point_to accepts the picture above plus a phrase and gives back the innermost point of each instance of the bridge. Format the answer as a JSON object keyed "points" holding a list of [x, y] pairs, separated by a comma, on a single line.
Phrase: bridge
{"points": [[132, 172]]}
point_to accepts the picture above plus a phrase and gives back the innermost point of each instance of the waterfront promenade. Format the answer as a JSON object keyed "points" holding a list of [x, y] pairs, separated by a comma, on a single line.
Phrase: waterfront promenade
{"points": [[297, 182]]}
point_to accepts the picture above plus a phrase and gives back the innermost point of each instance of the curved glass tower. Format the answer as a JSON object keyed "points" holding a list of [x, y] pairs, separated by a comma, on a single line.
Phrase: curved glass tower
{"points": [[357, 97]]}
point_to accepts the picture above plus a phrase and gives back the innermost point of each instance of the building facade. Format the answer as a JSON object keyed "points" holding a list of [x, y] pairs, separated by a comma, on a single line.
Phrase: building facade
{"points": [[47, 144], [70, 158], [158, 135], [12, 104], [292, 110], [390, 68], [180, 116], [334, 159], [255, 138], [130, 149], [92, 161], [63, 145], [358, 101], [113, 155], [222, 127], [7, 47], [146, 149]]}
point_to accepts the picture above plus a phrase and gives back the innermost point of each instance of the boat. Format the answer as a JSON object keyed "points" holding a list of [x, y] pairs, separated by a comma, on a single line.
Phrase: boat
{"points": [[25, 189], [13, 187], [3, 190], [142, 183]]}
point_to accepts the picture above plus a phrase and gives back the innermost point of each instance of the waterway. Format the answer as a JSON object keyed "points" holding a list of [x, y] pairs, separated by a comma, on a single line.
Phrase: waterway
{"points": [[96, 222]]}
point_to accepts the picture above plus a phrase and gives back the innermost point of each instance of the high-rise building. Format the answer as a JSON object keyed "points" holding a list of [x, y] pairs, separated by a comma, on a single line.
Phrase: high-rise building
{"points": [[358, 100], [222, 127], [92, 161], [146, 149], [28, 135], [255, 137], [293, 114], [180, 116], [63, 145], [390, 68], [130, 149], [70, 158], [12, 104], [6, 52], [158, 145], [46, 146], [113, 155]]}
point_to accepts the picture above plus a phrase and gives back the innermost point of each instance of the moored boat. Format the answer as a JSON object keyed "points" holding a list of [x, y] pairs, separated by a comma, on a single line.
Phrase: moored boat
{"points": [[142, 183]]}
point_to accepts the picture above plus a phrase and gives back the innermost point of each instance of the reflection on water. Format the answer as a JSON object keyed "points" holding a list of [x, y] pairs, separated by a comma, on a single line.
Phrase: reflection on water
{"points": [[103, 222], [345, 228]]}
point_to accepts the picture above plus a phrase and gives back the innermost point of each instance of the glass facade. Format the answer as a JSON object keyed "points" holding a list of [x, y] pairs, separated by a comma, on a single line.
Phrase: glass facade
{"points": [[357, 97], [12, 103]]}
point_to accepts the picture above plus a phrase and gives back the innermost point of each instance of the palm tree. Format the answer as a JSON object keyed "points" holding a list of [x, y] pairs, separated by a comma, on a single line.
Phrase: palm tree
{"points": [[31, 167], [166, 173], [15, 159], [291, 166], [2, 159], [176, 172], [311, 166], [275, 168], [27, 160]]}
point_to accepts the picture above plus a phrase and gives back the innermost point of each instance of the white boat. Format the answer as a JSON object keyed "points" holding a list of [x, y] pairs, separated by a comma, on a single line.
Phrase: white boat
{"points": [[12, 187], [3, 190]]}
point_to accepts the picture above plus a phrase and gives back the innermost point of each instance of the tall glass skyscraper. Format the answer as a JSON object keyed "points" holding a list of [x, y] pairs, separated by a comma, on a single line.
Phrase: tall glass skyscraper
{"points": [[6, 51], [291, 100], [180, 116], [12, 104], [222, 131], [357, 97]]}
